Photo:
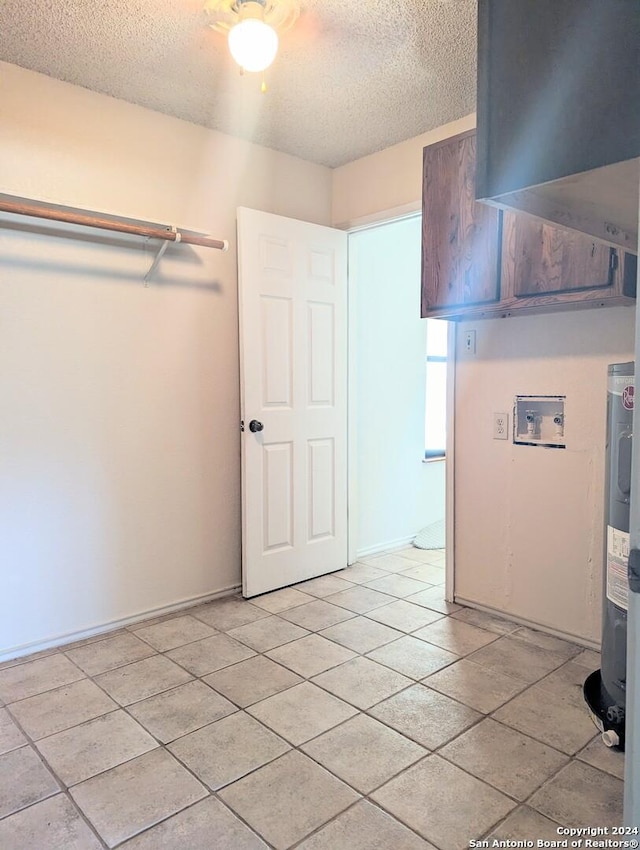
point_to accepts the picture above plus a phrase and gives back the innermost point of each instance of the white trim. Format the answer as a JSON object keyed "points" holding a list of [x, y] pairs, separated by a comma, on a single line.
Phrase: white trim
{"points": [[522, 621], [352, 407], [112, 625], [383, 217], [449, 497], [389, 546]]}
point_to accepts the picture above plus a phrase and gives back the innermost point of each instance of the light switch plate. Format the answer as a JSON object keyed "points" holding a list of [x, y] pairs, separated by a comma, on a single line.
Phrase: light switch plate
{"points": [[470, 342]]}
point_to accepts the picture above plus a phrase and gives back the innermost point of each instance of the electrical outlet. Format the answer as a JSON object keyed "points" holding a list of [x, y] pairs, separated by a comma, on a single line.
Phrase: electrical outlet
{"points": [[500, 426], [470, 342]]}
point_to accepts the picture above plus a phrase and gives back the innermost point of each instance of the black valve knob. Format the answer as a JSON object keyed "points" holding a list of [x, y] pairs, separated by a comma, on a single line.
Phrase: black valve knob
{"points": [[254, 426]]}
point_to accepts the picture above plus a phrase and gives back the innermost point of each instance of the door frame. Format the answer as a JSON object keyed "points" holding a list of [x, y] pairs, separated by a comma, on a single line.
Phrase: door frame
{"points": [[367, 223]]}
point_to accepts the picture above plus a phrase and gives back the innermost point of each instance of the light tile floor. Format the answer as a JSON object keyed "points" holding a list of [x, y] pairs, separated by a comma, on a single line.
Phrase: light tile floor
{"points": [[356, 711]]}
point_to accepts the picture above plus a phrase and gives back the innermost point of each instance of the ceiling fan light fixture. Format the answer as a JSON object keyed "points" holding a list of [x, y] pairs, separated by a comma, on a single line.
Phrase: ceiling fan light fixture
{"points": [[253, 44], [253, 27]]}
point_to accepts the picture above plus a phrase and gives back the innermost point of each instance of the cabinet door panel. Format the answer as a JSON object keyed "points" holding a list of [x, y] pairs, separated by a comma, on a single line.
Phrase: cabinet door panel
{"points": [[540, 259], [460, 236]]}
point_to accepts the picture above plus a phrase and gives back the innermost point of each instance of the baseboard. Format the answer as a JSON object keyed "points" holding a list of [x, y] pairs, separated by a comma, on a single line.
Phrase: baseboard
{"points": [[112, 625], [389, 546], [522, 621]]}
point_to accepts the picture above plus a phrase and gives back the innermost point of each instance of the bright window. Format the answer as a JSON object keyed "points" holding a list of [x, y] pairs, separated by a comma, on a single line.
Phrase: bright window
{"points": [[436, 405]]}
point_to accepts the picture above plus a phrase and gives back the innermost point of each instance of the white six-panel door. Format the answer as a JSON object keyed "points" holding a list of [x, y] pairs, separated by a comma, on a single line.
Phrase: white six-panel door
{"points": [[292, 282]]}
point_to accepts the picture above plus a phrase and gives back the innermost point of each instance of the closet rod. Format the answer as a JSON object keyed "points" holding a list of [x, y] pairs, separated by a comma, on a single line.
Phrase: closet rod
{"points": [[101, 221]]}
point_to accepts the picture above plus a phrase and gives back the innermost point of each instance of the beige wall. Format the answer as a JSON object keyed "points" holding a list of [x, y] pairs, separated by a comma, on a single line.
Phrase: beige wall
{"points": [[119, 442], [119, 405], [528, 521], [390, 180]]}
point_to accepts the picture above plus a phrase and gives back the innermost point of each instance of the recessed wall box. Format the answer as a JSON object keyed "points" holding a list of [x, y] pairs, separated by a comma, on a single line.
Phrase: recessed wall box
{"points": [[538, 420]]}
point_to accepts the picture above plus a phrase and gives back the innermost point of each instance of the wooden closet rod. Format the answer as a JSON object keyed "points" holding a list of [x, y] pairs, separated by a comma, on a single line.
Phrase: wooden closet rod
{"points": [[86, 218]]}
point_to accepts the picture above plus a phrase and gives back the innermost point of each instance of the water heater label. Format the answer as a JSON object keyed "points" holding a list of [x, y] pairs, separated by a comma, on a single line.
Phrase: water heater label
{"points": [[624, 386], [617, 565]]}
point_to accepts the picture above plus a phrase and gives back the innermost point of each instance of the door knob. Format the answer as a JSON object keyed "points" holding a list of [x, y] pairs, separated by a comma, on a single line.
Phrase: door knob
{"points": [[254, 426]]}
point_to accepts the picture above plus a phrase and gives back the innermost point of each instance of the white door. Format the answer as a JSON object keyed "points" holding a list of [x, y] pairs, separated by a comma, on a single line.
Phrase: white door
{"points": [[292, 282]]}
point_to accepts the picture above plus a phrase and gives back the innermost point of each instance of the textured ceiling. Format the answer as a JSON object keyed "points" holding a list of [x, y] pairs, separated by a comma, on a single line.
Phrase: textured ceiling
{"points": [[351, 77]]}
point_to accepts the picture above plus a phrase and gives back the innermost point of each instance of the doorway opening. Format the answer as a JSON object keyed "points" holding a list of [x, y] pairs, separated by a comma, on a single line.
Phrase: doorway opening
{"points": [[399, 384]]}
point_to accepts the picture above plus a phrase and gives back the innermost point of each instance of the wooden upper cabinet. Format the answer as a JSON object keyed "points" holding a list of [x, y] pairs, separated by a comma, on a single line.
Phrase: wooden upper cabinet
{"points": [[539, 259], [479, 262], [460, 237]]}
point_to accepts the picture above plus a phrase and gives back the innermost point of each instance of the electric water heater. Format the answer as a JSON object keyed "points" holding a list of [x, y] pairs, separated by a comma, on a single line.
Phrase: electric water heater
{"points": [[605, 689]]}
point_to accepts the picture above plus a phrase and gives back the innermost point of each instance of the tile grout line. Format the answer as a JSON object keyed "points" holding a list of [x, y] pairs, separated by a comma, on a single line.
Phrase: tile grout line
{"points": [[292, 748], [428, 751], [366, 796], [63, 788], [164, 747], [569, 758], [364, 712], [210, 792], [497, 825], [214, 793], [361, 794], [520, 802], [67, 789]]}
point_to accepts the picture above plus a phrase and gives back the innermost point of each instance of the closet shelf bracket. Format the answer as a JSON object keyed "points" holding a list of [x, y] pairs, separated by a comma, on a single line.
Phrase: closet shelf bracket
{"points": [[160, 254]]}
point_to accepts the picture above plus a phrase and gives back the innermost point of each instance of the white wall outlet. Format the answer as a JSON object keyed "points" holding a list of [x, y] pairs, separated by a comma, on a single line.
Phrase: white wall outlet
{"points": [[500, 426], [470, 342]]}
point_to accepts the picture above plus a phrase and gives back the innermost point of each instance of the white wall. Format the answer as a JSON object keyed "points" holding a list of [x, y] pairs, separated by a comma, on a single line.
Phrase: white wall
{"points": [[529, 520], [397, 494], [119, 405]]}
